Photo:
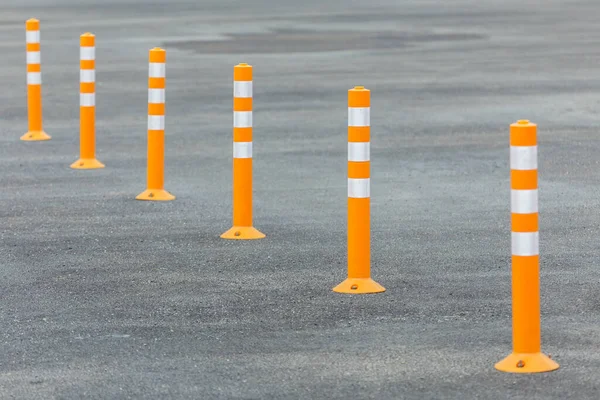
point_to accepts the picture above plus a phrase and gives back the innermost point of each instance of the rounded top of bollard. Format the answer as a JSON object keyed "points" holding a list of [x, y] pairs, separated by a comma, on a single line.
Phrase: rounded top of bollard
{"points": [[359, 96], [158, 55], [87, 40], [523, 133], [32, 24], [242, 72]]}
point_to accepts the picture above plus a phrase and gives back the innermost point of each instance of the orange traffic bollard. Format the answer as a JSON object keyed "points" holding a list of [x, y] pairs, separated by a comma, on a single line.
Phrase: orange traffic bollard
{"points": [[359, 195], [34, 83], [527, 356], [156, 129], [87, 104], [242, 156]]}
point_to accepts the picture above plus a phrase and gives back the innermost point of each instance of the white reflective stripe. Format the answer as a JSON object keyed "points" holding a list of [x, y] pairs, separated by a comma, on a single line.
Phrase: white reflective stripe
{"points": [[32, 37], [87, 99], [156, 122], [242, 119], [87, 75], [359, 151], [33, 57], [359, 116], [524, 201], [242, 88], [242, 149], [523, 157], [34, 78], [87, 53], [359, 188], [156, 96], [525, 244], [157, 70]]}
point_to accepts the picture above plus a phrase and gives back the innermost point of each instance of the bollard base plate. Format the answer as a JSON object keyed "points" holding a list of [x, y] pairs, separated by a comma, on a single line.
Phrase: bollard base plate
{"points": [[33, 136], [359, 286], [87, 163], [527, 363], [243, 233], [155, 195]]}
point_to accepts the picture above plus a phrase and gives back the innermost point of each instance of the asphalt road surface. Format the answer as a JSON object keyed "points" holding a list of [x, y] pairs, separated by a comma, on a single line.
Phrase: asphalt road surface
{"points": [[102, 296]]}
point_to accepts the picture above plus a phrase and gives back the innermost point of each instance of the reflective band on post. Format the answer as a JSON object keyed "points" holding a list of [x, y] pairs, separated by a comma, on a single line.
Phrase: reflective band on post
{"points": [[157, 70], [525, 243], [242, 149], [242, 89], [34, 78], [32, 36], [523, 157], [156, 96], [242, 119], [524, 201], [359, 116], [87, 99], [156, 122], [87, 53], [33, 57], [359, 151], [87, 75], [359, 188]]}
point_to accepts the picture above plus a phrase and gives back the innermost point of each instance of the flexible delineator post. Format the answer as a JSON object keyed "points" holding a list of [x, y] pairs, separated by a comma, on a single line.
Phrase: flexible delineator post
{"points": [[34, 83], [87, 104], [156, 129], [359, 195], [527, 356], [242, 156]]}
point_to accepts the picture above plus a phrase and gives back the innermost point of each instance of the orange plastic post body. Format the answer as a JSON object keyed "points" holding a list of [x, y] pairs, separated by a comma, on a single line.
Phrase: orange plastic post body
{"points": [[34, 83], [242, 156], [156, 129], [527, 356], [87, 104], [359, 198]]}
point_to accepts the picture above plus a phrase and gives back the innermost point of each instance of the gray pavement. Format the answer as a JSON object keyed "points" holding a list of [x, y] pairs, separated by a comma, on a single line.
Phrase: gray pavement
{"points": [[102, 296]]}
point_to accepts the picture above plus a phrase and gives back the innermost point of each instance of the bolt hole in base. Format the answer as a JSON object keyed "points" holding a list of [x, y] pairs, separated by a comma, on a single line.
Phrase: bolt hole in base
{"points": [[526, 363], [151, 195], [359, 286], [242, 233]]}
